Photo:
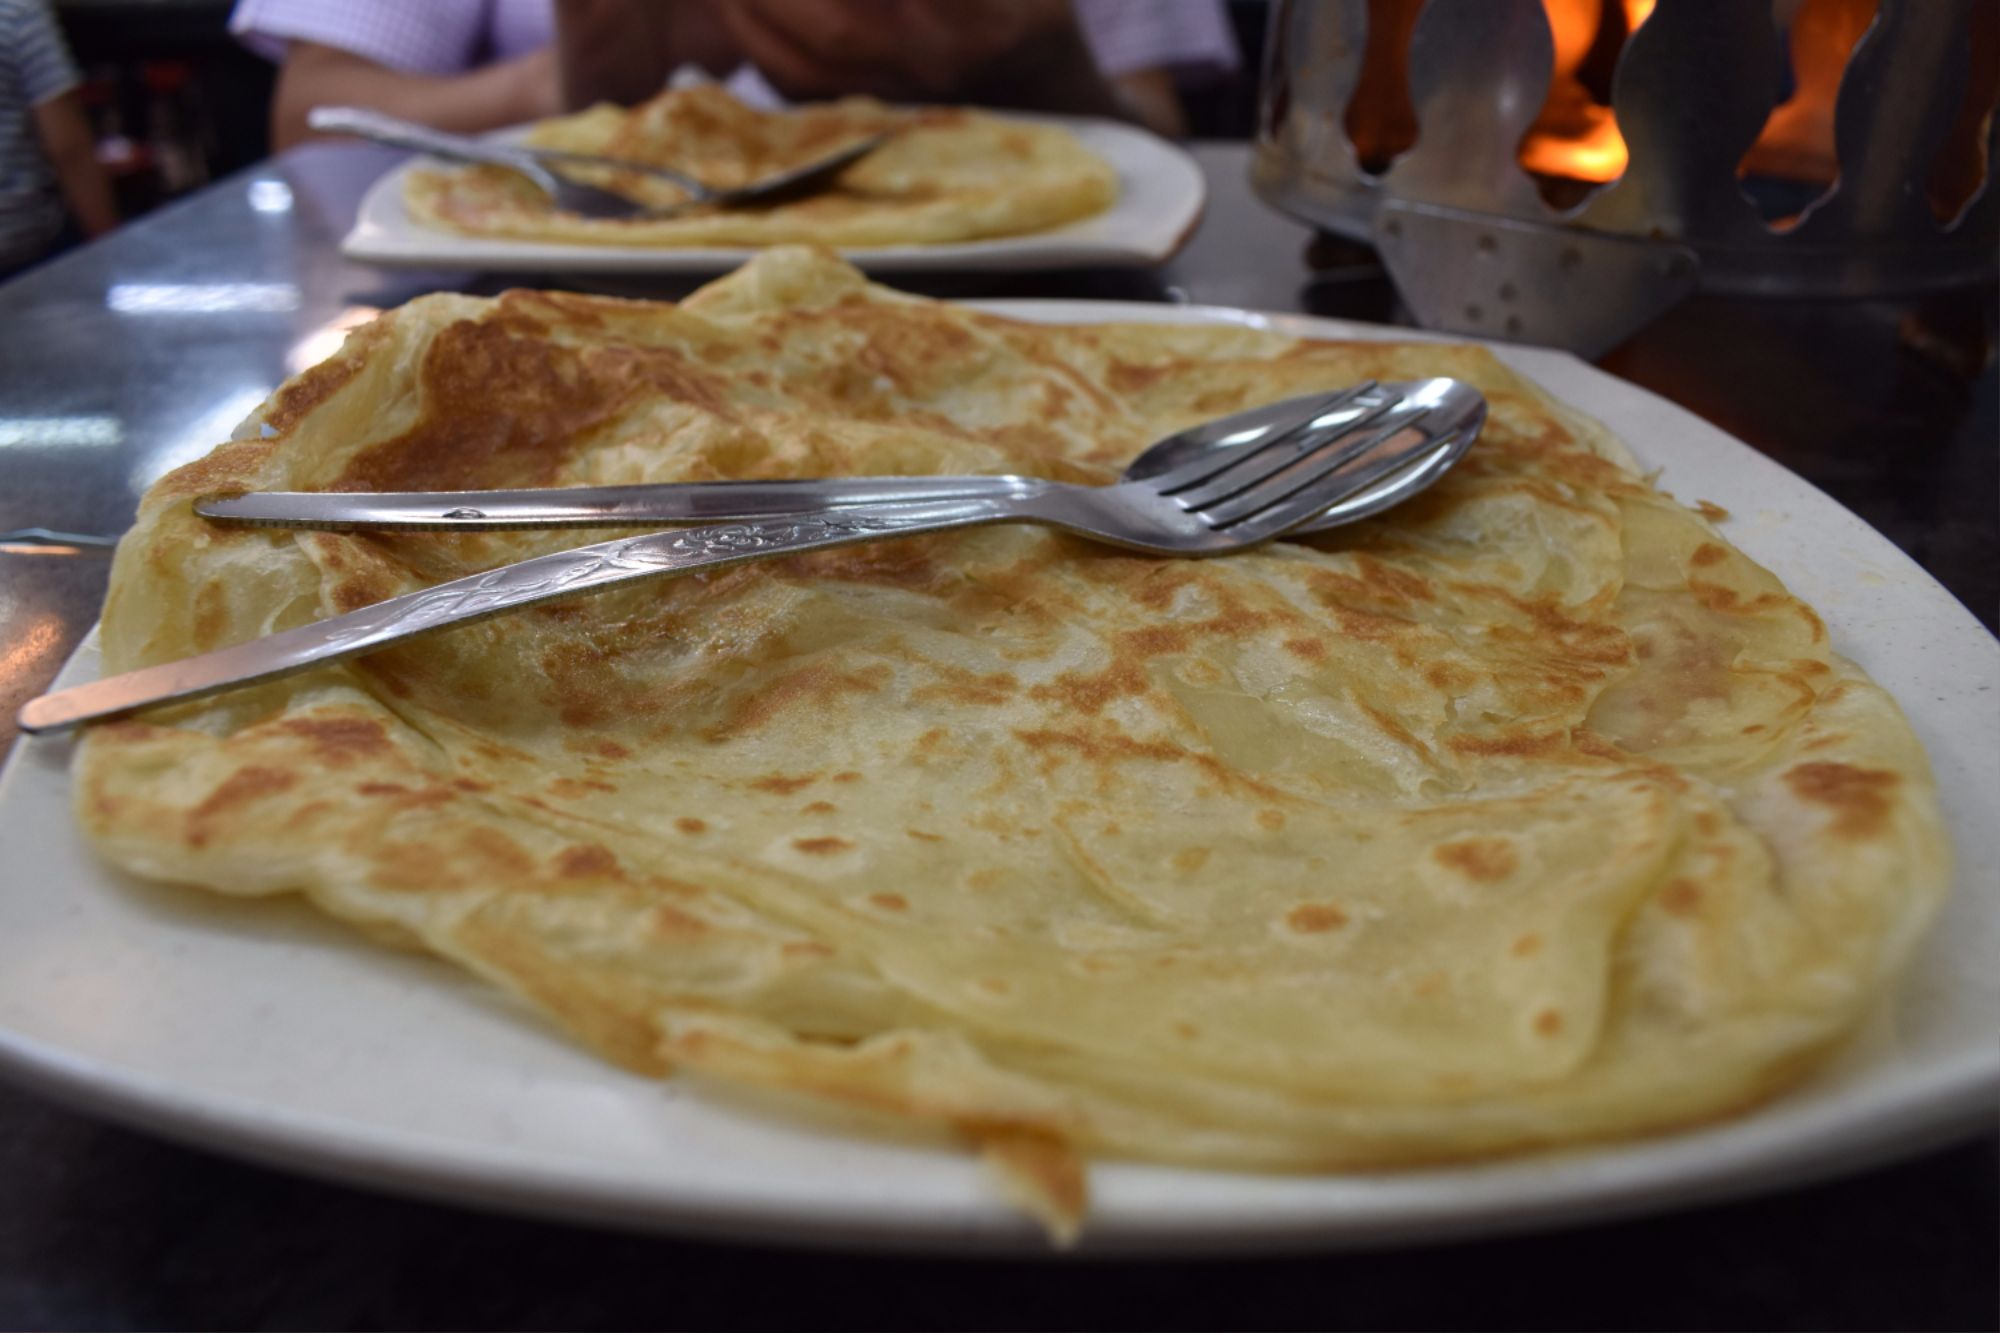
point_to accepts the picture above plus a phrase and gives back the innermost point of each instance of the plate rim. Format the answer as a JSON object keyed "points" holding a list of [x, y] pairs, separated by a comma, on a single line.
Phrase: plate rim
{"points": [[382, 232], [1870, 1125]]}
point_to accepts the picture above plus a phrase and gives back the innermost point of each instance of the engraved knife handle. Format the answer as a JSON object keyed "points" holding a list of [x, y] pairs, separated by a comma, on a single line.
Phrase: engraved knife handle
{"points": [[593, 506], [477, 596]]}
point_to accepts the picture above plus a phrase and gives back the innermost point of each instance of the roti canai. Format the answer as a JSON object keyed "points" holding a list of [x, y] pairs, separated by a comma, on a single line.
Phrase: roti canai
{"points": [[945, 174], [1529, 812]]}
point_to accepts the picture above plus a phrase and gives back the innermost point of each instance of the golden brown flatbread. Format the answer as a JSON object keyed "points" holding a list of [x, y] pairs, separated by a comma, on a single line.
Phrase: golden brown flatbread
{"points": [[947, 175], [1527, 813]]}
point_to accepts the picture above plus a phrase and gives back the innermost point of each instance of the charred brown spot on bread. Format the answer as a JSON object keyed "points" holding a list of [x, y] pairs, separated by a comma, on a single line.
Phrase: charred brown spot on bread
{"points": [[805, 949], [672, 922], [415, 867], [1315, 918], [1728, 601], [1859, 798], [1366, 581], [586, 861], [956, 684], [496, 854], [1681, 897], [1519, 744], [405, 796], [340, 741], [362, 589], [1482, 859], [505, 406], [1389, 726], [251, 783], [826, 846], [784, 784], [1125, 377], [577, 789], [298, 398], [915, 564], [816, 684]]}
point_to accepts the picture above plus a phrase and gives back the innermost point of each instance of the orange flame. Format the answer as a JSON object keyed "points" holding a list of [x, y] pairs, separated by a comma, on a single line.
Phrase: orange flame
{"points": [[1576, 136], [1797, 141]]}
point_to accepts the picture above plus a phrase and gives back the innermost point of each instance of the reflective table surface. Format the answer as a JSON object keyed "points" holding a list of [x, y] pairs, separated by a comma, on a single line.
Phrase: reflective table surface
{"points": [[132, 355]]}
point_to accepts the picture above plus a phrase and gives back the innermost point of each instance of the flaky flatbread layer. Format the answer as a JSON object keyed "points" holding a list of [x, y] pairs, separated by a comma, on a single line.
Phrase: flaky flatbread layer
{"points": [[945, 175], [1529, 812]]}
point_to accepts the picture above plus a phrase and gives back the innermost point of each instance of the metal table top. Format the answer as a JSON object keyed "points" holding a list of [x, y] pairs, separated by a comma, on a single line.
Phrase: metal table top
{"points": [[131, 355]]}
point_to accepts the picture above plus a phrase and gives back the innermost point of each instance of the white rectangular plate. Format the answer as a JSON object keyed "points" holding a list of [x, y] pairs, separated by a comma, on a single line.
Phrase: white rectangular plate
{"points": [[1160, 196], [263, 1030]]}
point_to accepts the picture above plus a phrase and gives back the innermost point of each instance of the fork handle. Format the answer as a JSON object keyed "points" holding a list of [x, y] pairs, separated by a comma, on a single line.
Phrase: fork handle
{"points": [[396, 133], [541, 579], [643, 505]]}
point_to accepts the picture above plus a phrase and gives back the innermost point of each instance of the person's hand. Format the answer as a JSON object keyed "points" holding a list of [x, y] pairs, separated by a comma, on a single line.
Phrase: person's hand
{"points": [[912, 49]]}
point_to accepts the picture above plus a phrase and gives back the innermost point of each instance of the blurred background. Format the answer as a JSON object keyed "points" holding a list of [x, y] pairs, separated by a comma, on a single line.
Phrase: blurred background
{"points": [[175, 101]]}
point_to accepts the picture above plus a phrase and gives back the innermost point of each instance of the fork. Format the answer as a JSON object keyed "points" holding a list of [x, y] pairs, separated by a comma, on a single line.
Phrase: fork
{"points": [[574, 196], [1213, 504], [1458, 412]]}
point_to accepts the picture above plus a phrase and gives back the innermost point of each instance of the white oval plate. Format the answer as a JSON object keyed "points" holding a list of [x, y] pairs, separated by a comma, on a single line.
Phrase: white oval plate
{"points": [[1160, 195], [265, 1031]]}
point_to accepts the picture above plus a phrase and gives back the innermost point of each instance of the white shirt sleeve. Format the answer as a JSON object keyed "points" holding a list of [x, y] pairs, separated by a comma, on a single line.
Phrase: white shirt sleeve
{"points": [[1184, 36], [414, 36]]}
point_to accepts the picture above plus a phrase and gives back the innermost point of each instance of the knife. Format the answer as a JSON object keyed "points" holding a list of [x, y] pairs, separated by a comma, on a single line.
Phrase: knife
{"points": [[479, 596]]}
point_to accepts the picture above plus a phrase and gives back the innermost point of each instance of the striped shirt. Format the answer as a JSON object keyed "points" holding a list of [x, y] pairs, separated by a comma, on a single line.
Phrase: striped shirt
{"points": [[453, 36], [34, 67]]}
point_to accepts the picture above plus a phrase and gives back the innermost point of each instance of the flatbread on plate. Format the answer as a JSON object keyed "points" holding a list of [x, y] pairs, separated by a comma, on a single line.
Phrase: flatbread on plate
{"points": [[947, 174], [1527, 813]]}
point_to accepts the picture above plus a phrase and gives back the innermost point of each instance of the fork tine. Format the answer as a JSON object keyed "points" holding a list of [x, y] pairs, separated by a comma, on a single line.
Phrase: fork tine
{"points": [[1395, 486], [1309, 501], [1197, 470], [1337, 454], [1281, 453]]}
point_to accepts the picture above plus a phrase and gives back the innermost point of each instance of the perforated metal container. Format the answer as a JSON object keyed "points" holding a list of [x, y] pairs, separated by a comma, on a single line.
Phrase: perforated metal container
{"points": [[1474, 246]]}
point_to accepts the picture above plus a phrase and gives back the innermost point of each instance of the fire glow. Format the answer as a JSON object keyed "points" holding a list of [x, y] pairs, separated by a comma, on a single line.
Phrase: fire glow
{"points": [[1576, 136]]}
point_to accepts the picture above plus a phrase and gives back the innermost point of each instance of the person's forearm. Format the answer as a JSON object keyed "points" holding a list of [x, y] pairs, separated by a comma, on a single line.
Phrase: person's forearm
{"points": [[72, 152], [624, 50], [508, 93], [87, 192], [1151, 99]]}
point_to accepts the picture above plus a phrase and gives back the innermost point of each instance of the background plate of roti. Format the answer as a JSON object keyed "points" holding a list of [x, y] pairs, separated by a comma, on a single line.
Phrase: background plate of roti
{"points": [[264, 1030], [1160, 197]]}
